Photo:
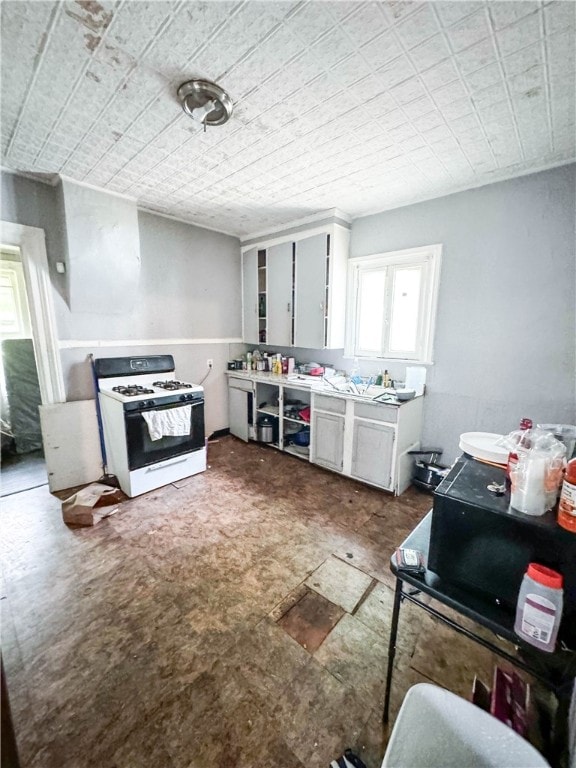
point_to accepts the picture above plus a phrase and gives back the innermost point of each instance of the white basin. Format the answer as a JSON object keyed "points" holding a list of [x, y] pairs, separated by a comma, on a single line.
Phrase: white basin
{"points": [[437, 729]]}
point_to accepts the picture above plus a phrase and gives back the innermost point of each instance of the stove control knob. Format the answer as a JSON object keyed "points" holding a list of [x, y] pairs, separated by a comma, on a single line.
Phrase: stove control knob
{"points": [[182, 398], [144, 403]]}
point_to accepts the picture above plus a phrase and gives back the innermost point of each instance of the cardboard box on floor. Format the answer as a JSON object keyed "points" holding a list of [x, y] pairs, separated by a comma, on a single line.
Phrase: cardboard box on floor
{"points": [[91, 504]]}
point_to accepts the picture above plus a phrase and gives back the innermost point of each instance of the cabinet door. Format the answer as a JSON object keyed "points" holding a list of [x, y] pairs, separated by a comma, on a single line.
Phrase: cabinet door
{"points": [[373, 446], [279, 296], [250, 297], [238, 404], [310, 309], [328, 440]]}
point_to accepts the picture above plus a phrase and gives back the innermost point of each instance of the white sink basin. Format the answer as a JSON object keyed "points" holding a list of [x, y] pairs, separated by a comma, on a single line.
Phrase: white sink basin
{"points": [[437, 729]]}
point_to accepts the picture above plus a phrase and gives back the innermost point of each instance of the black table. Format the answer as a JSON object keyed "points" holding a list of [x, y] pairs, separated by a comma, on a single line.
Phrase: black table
{"points": [[555, 670]]}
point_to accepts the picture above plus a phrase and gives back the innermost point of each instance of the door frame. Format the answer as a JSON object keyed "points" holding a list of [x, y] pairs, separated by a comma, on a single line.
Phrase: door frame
{"points": [[32, 244]]}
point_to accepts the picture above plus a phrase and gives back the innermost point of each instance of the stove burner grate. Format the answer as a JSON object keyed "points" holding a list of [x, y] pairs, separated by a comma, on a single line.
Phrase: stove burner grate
{"points": [[131, 390], [171, 385]]}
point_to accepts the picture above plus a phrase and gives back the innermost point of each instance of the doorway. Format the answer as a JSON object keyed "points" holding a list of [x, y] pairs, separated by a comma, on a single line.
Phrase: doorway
{"points": [[28, 285], [23, 465]]}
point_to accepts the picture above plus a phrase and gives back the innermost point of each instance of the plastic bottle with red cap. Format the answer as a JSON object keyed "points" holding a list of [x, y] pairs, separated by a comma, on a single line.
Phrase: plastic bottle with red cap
{"points": [[539, 607], [523, 443], [567, 506]]}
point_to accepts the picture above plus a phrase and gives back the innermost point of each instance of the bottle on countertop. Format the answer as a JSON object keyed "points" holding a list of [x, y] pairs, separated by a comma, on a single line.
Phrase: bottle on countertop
{"points": [[522, 444], [355, 369], [386, 380], [567, 505], [539, 607], [379, 379]]}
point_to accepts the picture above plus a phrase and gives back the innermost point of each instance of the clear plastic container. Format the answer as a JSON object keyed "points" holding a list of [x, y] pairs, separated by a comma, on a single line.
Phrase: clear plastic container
{"points": [[539, 607], [566, 433], [528, 477]]}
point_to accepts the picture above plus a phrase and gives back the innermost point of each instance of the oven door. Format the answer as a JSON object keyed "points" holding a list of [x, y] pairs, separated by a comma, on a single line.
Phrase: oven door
{"points": [[142, 451]]}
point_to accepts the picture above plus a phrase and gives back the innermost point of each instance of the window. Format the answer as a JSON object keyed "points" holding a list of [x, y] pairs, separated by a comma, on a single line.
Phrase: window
{"points": [[392, 304], [14, 315]]}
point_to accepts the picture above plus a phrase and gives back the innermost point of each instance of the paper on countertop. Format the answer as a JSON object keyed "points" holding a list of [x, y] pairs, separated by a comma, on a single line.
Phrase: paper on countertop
{"points": [[416, 378]]}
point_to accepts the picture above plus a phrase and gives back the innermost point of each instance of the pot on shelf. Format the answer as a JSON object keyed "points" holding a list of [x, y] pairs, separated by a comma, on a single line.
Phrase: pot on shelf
{"points": [[265, 430], [301, 438]]}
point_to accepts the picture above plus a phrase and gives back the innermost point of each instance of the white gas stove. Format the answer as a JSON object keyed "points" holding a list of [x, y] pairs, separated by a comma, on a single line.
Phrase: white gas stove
{"points": [[153, 424]]}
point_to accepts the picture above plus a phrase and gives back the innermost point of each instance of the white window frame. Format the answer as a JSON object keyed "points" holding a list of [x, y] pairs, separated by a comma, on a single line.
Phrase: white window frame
{"points": [[429, 258]]}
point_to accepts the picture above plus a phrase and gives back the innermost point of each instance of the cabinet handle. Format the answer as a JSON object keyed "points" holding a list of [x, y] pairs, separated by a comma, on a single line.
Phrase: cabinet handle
{"points": [[163, 466], [288, 307]]}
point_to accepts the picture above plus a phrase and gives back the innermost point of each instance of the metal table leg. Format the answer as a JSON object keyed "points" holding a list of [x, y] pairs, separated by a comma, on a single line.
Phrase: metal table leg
{"points": [[392, 647]]}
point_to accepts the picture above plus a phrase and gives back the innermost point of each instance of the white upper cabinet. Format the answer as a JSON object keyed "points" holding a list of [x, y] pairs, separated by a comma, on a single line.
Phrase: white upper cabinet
{"points": [[279, 295], [304, 300], [312, 262], [250, 297]]}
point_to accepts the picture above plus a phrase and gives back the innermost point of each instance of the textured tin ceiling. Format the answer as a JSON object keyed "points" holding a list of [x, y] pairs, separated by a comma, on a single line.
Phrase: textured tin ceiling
{"points": [[361, 106]]}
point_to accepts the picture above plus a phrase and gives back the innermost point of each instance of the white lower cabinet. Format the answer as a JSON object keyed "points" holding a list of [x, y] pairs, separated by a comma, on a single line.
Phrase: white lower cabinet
{"points": [[371, 442], [362, 439], [327, 440], [372, 452], [240, 407]]}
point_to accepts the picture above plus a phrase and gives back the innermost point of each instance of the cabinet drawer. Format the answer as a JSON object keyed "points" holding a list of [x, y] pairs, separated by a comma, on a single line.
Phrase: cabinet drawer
{"points": [[244, 384], [375, 412], [330, 404]]}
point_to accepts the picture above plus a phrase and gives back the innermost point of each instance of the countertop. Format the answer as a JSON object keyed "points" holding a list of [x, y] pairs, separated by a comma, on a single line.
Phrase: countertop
{"points": [[318, 386]]}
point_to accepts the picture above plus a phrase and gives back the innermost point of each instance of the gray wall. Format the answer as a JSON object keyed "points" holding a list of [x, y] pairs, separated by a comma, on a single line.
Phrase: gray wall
{"points": [[28, 202], [505, 336], [189, 289]]}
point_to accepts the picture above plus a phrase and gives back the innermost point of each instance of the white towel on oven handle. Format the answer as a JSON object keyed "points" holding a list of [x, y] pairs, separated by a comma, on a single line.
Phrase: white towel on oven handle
{"points": [[170, 422]]}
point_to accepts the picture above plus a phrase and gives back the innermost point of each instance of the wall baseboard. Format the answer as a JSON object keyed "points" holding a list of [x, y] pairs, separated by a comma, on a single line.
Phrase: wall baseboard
{"points": [[219, 433]]}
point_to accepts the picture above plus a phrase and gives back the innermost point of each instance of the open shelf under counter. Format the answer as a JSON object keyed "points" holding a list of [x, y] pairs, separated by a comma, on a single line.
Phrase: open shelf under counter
{"points": [[270, 410], [296, 421], [355, 436], [301, 451]]}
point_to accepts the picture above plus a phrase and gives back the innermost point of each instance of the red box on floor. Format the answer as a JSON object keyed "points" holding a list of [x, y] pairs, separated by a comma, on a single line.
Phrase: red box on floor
{"points": [[510, 700]]}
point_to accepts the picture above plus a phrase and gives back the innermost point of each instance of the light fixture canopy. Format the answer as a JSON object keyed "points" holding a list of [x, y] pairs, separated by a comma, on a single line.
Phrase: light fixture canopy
{"points": [[205, 102]]}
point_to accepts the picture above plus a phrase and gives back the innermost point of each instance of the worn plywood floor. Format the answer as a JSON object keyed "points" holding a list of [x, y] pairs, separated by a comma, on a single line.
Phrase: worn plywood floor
{"points": [[22, 471], [239, 619]]}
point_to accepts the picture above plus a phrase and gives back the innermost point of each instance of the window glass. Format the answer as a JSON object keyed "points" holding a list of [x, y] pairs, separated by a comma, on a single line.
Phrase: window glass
{"points": [[392, 301], [405, 308], [371, 309], [8, 303], [14, 315]]}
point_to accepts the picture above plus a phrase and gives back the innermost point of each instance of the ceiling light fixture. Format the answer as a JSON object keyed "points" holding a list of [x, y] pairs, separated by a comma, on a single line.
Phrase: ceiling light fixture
{"points": [[205, 102]]}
